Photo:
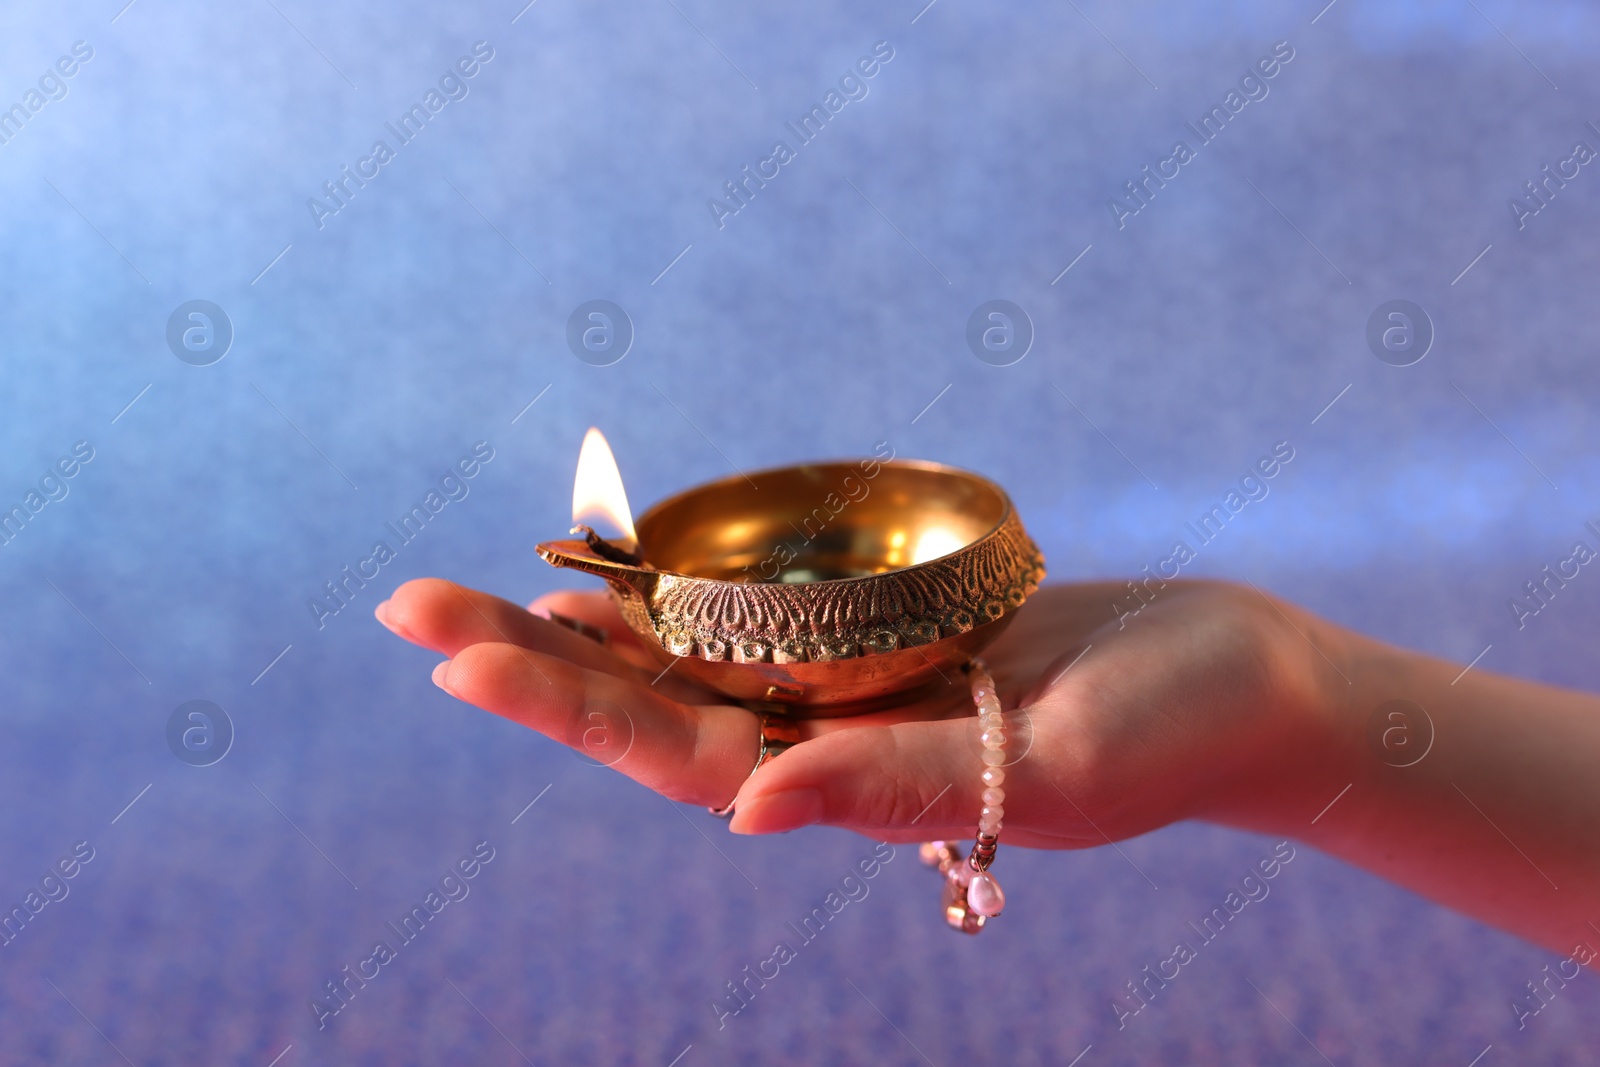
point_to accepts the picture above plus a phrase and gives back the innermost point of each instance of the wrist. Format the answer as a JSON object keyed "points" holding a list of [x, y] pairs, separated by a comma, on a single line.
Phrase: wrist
{"points": [[1304, 751], [1352, 728]]}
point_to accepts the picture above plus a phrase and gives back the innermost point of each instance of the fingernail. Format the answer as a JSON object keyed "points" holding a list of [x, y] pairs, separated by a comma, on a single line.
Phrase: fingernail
{"points": [[381, 613], [441, 673], [778, 812]]}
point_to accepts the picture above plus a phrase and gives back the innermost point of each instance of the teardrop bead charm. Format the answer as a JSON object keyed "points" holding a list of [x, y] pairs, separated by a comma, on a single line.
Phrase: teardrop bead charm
{"points": [[984, 895]]}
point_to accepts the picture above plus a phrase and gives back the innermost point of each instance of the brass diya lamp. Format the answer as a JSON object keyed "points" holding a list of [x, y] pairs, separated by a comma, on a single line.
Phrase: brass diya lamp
{"points": [[820, 589]]}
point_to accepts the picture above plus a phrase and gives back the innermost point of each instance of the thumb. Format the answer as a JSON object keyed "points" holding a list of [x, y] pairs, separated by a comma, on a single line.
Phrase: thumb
{"points": [[904, 782]]}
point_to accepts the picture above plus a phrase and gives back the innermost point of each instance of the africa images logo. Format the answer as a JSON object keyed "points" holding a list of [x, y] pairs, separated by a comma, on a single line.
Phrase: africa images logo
{"points": [[1253, 88], [52, 85], [452, 87], [852, 87]]}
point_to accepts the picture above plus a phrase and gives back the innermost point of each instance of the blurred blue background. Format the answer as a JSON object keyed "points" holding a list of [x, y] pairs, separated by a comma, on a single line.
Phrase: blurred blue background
{"points": [[371, 351]]}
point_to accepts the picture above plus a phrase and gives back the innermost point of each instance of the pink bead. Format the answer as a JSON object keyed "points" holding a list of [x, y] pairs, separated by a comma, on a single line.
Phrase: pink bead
{"points": [[992, 757], [993, 738], [994, 776], [992, 813], [985, 896], [992, 797]]}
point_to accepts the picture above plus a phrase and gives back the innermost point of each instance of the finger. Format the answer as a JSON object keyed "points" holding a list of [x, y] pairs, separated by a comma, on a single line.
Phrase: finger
{"points": [[697, 755], [447, 618], [905, 782], [598, 609], [595, 608]]}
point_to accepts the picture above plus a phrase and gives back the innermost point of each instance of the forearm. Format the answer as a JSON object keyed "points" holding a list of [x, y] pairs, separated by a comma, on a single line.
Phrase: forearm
{"points": [[1498, 818]]}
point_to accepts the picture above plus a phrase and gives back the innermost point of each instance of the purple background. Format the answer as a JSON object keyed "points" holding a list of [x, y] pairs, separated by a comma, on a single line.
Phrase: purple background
{"points": [[408, 328]]}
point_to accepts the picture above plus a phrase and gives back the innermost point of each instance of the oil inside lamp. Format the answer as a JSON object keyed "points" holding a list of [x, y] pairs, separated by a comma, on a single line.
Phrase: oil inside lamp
{"points": [[934, 542]]}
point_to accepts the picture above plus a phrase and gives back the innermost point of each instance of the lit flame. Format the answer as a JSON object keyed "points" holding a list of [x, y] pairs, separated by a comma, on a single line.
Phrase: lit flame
{"points": [[934, 542], [598, 498]]}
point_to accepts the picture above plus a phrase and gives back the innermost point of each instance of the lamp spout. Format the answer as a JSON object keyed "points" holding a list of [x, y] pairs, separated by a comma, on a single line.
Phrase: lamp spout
{"points": [[629, 578]]}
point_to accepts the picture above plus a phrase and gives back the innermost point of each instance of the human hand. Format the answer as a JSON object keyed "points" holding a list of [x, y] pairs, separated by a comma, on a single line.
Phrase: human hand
{"points": [[1195, 707]]}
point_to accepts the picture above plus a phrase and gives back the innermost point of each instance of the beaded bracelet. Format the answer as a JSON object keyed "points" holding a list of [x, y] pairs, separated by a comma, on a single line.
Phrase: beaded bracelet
{"points": [[972, 895]]}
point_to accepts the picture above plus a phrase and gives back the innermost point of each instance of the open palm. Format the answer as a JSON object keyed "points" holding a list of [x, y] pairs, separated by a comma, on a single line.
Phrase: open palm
{"points": [[1115, 729]]}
